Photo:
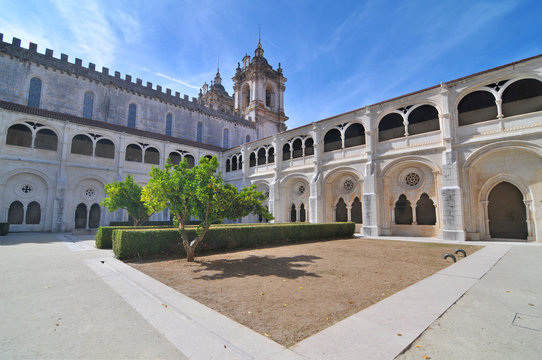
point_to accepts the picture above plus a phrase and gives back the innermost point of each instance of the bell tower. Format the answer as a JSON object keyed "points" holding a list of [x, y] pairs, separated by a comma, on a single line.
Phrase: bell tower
{"points": [[259, 94]]}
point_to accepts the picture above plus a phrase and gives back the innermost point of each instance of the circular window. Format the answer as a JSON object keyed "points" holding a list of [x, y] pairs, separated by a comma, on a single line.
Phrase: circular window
{"points": [[412, 179], [89, 193], [348, 186], [301, 189], [266, 194], [26, 189]]}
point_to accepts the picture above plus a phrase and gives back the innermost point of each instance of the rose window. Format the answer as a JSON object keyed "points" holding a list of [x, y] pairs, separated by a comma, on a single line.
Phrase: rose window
{"points": [[26, 188], [301, 189], [348, 185], [412, 179]]}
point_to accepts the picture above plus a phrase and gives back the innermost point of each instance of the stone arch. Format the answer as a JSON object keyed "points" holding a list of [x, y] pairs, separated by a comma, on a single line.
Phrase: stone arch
{"points": [[46, 139], [332, 140], [82, 144], [403, 211], [506, 212], [134, 153], [19, 134], [425, 211], [16, 213], [33, 213], [104, 148], [522, 96], [354, 135], [423, 118], [476, 106], [152, 156], [341, 213], [391, 126], [500, 145], [245, 96], [87, 190]]}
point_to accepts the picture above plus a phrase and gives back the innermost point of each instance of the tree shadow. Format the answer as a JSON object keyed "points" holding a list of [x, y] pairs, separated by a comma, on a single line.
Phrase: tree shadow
{"points": [[285, 267]]}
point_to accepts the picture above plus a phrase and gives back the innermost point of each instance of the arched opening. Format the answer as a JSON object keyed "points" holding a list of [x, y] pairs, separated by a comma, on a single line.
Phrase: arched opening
{"points": [[88, 104], [190, 160], [332, 140], [286, 152], [423, 119], [298, 148], [341, 214], [228, 165], [391, 127], [81, 216], [522, 97], [245, 97], [240, 162], [169, 124], [33, 213], [94, 216], [132, 112], [302, 214], [19, 135], [34, 93], [269, 97], [309, 146], [226, 138], [355, 212], [82, 145], [16, 213], [293, 213], [175, 158], [476, 107], [105, 149], [354, 135], [252, 160], [199, 132], [46, 140], [247, 138], [507, 213], [133, 153], [152, 156], [403, 211], [425, 211], [261, 219], [271, 155], [261, 156], [234, 163]]}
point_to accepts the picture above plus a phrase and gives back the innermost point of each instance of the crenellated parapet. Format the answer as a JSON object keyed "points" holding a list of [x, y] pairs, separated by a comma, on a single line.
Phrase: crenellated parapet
{"points": [[108, 78]]}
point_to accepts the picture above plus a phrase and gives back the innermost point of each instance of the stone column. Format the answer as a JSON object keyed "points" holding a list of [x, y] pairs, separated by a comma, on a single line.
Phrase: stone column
{"points": [[316, 195], [371, 227], [59, 210]]}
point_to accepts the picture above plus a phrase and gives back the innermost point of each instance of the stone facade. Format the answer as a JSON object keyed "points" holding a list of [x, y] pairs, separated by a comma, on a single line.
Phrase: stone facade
{"points": [[458, 161]]}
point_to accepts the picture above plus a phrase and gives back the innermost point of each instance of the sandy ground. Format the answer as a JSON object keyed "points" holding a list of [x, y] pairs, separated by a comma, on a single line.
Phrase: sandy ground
{"points": [[291, 292]]}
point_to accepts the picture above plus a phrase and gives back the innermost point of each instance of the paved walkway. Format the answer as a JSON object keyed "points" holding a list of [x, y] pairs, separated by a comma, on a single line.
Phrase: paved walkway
{"points": [[67, 299]]}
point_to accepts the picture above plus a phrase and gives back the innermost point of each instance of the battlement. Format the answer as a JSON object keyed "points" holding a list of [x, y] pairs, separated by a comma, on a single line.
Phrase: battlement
{"points": [[76, 68]]}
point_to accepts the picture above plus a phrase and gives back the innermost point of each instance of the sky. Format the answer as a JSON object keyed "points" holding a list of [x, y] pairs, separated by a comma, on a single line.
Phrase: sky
{"points": [[337, 55]]}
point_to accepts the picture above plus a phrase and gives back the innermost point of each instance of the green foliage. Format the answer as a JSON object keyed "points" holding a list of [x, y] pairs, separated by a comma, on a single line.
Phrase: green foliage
{"points": [[146, 223], [201, 193], [4, 228], [126, 195], [104, 234], [140, 243]]}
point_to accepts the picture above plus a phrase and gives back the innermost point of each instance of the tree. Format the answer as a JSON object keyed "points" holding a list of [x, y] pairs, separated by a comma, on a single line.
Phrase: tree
{"points": [[199, 192], [127, 195]]}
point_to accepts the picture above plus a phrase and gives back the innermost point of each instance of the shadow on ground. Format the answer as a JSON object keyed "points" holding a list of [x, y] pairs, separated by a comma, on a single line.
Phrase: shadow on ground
{"points": [[286, 267]]}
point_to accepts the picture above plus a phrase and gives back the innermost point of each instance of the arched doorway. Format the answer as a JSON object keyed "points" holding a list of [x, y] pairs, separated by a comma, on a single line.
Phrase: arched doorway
{"points": [[507, 213]]}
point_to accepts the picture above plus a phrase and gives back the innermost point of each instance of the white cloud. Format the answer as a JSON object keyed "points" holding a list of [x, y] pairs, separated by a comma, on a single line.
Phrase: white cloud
{"points": [[179, 81], [130, 27]]}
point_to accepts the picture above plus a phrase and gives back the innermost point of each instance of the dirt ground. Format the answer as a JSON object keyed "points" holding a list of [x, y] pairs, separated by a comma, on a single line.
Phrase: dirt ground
{"points": [[291, 292]]}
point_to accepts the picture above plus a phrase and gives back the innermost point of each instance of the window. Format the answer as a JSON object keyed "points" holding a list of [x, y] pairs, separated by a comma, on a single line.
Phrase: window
{"points": [[228, 165], [175, 158], [46, 140], [94, 216], [81, 144], [234, 163], [88, 104], [302, 214], [190, 160], [16, 213], [298, 148], [34, 92], [247, 138], [423, 119], [332, 140], [252, 161], [152, 156], [81, 216], [354, 135], [476, 107], [293, 213], [199, 132], [425, 211], [19, 135], [33, 213], [132, 112], [391, 127], [271, 155], [226, 138], [309, 147], [133, 153], [341, 214], [286, 152], [169, 121], [523, 96], [269, 97], [105, 149], [403, 211], [355, 211]]}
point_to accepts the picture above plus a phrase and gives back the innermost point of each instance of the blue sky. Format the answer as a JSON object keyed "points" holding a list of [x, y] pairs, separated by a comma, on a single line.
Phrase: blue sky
{"points": [[337, 55]]}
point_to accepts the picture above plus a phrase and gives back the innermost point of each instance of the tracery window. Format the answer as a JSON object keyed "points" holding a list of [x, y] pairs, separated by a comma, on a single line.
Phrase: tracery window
{"points": [[132, 113], [88, 104], [34, 93], [169, 124]]}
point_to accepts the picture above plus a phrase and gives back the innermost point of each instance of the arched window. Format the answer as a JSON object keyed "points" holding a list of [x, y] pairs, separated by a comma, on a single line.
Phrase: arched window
{"points": [[33, 213], [271, 155], [391, 127], [133, 153], [252, 161], [423, 119], [341, 214], [245, 96], [521, 97], [425, 211], [354, 135], [247, 138], [19, 135], [226, 138], [293, 213], [169, 124], [175, 158], [199, 132], [302, 214], [34, 92], [332, 140], [261, 156], [132, 113], [228, 165], [190, 160], [269, 97], [309, 146], [355, 211], [152, 156], [403, 211], [240, 162], [46, 140], [234, 163], [105, 149], [81, 144], [88, 104], [16, 213], [298, 148], [286, 152], [476, 107], [94, 216], [81, 216]]}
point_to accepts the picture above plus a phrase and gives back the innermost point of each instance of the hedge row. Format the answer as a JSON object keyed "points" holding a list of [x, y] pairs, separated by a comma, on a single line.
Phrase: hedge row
{"points": [[104, 234], [140, 243], [146, 223], [4, 228]]}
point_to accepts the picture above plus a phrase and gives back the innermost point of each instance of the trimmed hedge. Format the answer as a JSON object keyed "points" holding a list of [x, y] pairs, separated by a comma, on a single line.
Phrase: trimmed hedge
{"points": [[4, 228], [140, 243], [146, 223], [104, 234]]}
